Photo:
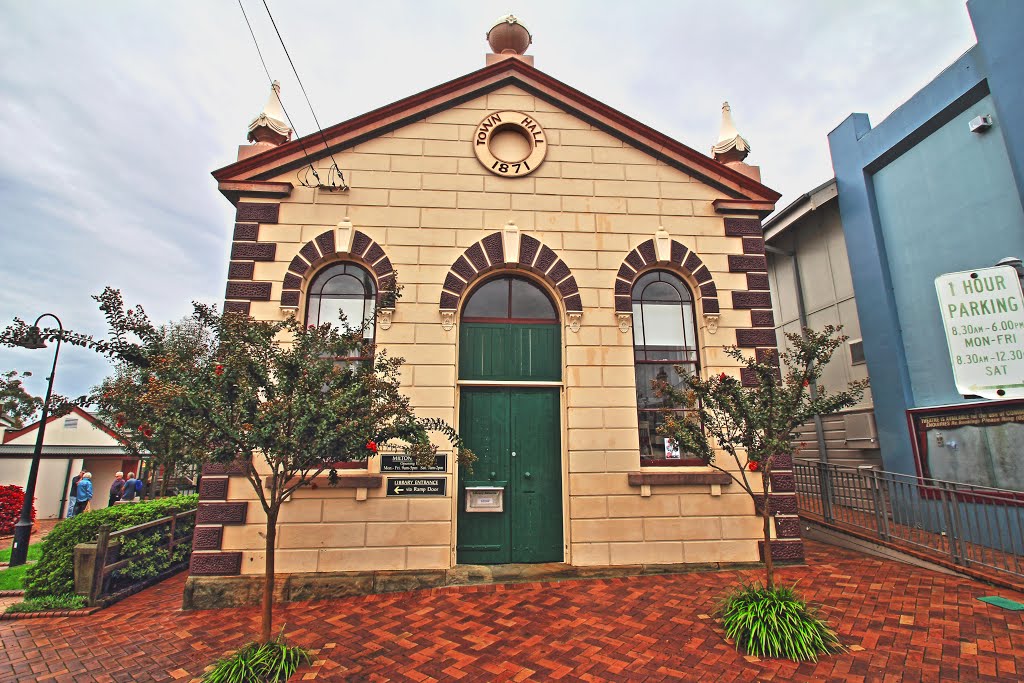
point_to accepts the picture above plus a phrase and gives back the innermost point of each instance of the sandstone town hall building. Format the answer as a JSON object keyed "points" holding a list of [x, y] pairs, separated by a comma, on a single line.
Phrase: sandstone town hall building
{"points": [[555, 256]]}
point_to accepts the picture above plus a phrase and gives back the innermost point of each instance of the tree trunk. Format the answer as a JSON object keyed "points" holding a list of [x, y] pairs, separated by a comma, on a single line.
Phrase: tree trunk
{"points": [[767, 527], [268, 577]]}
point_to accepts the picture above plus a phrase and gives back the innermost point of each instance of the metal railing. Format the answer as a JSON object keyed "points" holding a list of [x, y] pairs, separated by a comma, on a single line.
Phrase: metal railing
{"points": [[972, 526], [119, 570]]}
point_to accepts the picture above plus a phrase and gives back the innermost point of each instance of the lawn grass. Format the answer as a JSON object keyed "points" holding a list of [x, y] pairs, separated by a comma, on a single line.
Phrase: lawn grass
{"points": [[13, 578], [35, 551]]}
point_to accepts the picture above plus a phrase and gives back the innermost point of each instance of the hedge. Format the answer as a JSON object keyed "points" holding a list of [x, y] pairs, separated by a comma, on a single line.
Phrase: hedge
{"points": [[54, 573]]}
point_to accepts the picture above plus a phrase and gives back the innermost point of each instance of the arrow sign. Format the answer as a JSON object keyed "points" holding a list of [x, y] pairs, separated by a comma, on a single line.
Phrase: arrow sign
{"points": [[417, 486]]}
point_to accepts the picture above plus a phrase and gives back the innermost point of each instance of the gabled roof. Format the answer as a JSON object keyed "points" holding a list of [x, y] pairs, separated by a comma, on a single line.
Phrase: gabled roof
{"points": [[268, 164], [75, 410], [785, 218]]}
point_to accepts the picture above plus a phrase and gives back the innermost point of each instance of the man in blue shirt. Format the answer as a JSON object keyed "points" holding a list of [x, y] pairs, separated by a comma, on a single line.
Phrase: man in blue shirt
{"points": [[84, 494]]}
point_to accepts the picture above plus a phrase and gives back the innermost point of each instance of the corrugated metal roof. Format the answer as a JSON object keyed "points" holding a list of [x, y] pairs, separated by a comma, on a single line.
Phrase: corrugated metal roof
{"points": [[26, 450]]}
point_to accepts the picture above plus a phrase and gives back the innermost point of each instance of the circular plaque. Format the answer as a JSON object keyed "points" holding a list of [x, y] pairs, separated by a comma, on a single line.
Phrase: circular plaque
{"points": [[510, 143]]}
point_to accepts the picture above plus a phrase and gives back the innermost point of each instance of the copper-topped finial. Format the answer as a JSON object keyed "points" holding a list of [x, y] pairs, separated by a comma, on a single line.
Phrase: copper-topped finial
{"points": [[509, 36]]}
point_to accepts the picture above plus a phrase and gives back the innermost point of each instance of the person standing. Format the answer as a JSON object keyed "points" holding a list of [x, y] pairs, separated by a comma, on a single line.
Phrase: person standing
{"points": [[116, 489], [130, 488], [73, 498], [84, 493]]}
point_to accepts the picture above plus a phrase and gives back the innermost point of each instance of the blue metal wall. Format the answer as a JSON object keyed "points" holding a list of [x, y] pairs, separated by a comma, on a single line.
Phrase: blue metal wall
{"points": [[920, 195]]}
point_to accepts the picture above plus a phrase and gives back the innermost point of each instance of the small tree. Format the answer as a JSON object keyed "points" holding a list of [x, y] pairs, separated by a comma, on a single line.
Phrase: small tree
{"points": [[282, 401], [21, 407], [755, 424], [150, 422]]}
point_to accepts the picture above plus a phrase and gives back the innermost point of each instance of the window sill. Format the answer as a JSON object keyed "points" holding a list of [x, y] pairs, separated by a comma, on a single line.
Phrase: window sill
{"points": [[678, 478]]}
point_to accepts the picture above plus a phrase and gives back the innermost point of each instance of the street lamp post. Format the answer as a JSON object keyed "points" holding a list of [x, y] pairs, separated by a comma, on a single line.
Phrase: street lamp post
{"points": [[23, 529]]}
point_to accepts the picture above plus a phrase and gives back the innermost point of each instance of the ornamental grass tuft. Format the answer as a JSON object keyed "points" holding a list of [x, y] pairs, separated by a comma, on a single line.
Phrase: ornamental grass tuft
{"points": [[272, 662], [776, 624]]}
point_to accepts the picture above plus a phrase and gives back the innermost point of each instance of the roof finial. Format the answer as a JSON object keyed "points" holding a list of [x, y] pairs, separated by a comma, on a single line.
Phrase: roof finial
{"points": [[731, 146], [271, 125], [509, 38]]}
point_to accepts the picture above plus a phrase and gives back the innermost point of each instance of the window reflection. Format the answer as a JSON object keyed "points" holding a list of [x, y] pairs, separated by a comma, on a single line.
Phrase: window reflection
{"points": [[664, 336]]}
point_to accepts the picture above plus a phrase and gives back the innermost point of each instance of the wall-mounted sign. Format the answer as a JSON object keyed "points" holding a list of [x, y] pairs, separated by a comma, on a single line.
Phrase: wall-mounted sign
{"points": [[510, 143], [401, 462], [417, 486], [983, 315]]}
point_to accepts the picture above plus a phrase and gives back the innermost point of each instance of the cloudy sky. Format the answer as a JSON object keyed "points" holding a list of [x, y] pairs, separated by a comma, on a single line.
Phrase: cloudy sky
{"points": [[114, 112]]}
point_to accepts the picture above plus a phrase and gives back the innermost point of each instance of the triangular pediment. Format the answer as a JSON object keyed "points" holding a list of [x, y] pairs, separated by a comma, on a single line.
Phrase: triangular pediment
{"points": [[266, 166]]}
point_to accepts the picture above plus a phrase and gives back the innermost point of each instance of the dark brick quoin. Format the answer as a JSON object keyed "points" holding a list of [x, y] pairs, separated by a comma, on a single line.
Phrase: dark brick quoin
{"points": [[292, 281], [475, 254], [783, 551], [216, 564], [494, 248], [757, 281], [677, 253], [528, 248], [782, 503], [236, 307], [247, 231], [453, 284], [253, 291], [325, 241], [573, 304], [768, 356], [383, 267], [750, 339], [298, 265], [626, 273], [702, 275], [568, 287], [622, 287], [463, 269], [748, 377], [741, 227], [310, 252], [241, 270], [449, 302], [782, 462], [290, 298], [254, 251], [360, 243], [787, 527], [762, 319], [743, 263], [221, 513], [782, 482], [635, 260], [710, 305], [257, 213], [211, 488], [709, 289], [559, 271], [374, 253], [545, 260], [623, 304], [753, 245], [692, 262], [221, 468], [207, 537], [751, 300], [647, 250]]}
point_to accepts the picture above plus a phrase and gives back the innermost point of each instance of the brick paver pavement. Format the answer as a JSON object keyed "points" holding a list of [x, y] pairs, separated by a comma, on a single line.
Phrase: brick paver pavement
{"points": [[900, 622]]}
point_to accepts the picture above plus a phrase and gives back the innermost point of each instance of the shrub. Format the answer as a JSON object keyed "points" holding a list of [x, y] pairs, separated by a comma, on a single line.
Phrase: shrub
{"points": [[12, 497], [50, 602], [776, 623], [54, 573], [259, 663]]}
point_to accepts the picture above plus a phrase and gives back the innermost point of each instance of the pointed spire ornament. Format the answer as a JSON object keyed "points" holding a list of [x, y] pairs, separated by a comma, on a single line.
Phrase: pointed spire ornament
{"points": [[731, 146], [271, 125]]}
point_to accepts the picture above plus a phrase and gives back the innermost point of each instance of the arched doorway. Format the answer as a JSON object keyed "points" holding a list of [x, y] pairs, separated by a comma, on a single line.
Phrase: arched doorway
{"points": [[510, 338]]}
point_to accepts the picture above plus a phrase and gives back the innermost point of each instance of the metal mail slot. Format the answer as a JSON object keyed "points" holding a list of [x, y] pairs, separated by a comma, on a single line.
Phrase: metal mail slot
{"points": [[485, 498]]}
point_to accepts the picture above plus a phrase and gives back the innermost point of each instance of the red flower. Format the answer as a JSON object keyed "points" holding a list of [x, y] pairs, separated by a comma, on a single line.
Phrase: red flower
{"points": [[807, 382], [219, 370], [722, 377], [145, 430], [371, 446], [753, 466]]}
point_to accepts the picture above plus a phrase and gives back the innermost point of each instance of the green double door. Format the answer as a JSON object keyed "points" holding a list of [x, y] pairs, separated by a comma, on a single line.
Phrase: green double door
{"points": [[515, 434]]}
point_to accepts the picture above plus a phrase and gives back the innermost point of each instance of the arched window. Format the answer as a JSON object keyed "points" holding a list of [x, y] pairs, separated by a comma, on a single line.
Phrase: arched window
{"points": [[510, 332], [509, 299], [664, 336], [343, 288]]}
